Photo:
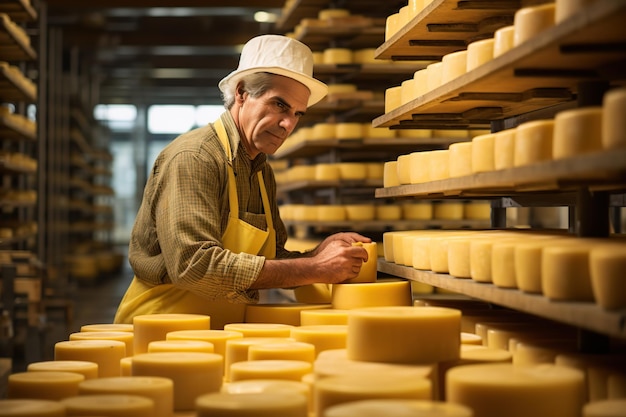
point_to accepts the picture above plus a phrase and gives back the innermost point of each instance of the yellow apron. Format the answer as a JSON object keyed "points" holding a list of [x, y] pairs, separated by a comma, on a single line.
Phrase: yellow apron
{"points": [[240, 236]]}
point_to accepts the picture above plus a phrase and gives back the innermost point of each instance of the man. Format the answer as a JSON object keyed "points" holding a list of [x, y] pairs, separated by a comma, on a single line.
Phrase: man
{"points": [[208, 234]]}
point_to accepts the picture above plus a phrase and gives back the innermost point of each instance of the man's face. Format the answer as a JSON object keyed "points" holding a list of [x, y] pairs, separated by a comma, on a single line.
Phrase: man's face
{"points": [[266, 121]]}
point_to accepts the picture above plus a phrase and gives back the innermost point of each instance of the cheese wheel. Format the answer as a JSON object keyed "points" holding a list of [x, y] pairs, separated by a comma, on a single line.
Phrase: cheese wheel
{"points": [[156, 326], [260, 329], [565, 273], [397, 408], [369, 268], [126, 337], [448, 211], [542, 390], [460, 155], [535, 352], [159, 390], [31, 408], [567, 8], [341, 88], [404, 16], [322, 131], [533, 142], [361, 212], [218, 338], [596, 368], [280, 313], [479, 53], [106, 353], [459, 257], [337, 56], [126, 366], [470, 339], [388, 212], [292, 370], [393, 98], [323, 337], [119, 405], [407, 91], [476, 210], [404, 169], [438, 253], [326, 14], [414, 133], [480, 259], [342, 389], [374, 294], [483, 153], [613, 123], [260, 386], [528, 264], [503, 262], [379, 334], [392, 25], [390, 176], [453, 66], [577, 132], [87, 369], [107, 327], [313, 293], [48, 385], [298, 351], [531, 21], [325, 316], [352, 170], [265, 404], [330, 213], [607, 264], [420, 258], [504, 149], [318, 57], [503, 39], [375, 170], [180, 346], [417, 211], [433, 75], [349, 130], [439, 164], [605, 408], [420, 82], [370, 131], [237, 350], [192, 373], [366, 56], [419, 163]]}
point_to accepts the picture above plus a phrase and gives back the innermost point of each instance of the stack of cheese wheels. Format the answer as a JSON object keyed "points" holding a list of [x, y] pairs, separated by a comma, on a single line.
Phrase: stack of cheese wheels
{"points": [[279, 313], [43, 385], [156, 326], [237, 350], [106, 353], [87, 369], [31, 408]]}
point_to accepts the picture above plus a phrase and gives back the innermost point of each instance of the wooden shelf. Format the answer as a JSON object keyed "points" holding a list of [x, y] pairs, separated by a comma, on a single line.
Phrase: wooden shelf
{"points": [[385, 225], [12, 128], [542, 72], [582, 314], [15, 87], [19, 10], [306, 185], [299, 10], [376, 76], [14, 46], [366, 34], [604, 170]]}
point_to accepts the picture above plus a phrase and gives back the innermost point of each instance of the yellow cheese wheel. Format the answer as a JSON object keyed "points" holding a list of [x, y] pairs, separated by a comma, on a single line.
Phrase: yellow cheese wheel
{"points": [[448, 211], [352, 170], [503, 262], [342, 389], [483, 153], [542, 390], [156, 326], [298, 351], [370, 131], [237, 350], [180, 346], [388, 212], [479, 53], [48, 385], [417, 211], [477, 210], [337, 56], [577, 132], [504, 149], [531, 21], [348, 130], [567, 8], [528, 264], [392, 25], [605, 408], [259, 386], [404, 169], [326, 14], [217, 337], [331, 213], [87, 369], [393, 98], [480, 259], [613, 123], [301, 173], [119, 405], [366, 56], [107, 327], [419, 167], [438, 253], [420, 82], [322, 131], [375, 170], [565, 273], [323, 337], [374, 294], [369, 268], [341, 88], [470, 339], [453, 66], [31, 408], [126, 366], [159, 390], [460, 155], [533, 142], [607, 264], [397, 408], [324, 316], [503, 40], [106, 353], [260, 329], [265, 404], [420, 258], [314, 293], [407, 91], [280, 313], [192, 373], [361, 212], [533, 352], [292, 370], [379, 334], [439, 164], [390, 176], [459, 257], [433, 75], [126, 337]]}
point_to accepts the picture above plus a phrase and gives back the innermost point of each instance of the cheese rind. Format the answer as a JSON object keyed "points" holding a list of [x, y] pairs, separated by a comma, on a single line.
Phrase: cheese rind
{"points": [[119, 405], [565, 273], [156, 326], [265, 404], [460, 155], [479, 53], [453, 66], [577, 132], [483, 153], [43, 385], [380, 293], [106, 353], [503, 40], [531, 21], [31, 408], [533, 142], [87, 369], [613, 121], [397, 408], [504, 149]]}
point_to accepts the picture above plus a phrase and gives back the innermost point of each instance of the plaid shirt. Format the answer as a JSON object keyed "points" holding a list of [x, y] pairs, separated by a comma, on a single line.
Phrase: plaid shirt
{"points": [[177, 233]]}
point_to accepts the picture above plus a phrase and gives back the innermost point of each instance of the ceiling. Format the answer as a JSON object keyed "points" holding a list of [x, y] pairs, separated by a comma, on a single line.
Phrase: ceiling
{"points": [[160, 51]]}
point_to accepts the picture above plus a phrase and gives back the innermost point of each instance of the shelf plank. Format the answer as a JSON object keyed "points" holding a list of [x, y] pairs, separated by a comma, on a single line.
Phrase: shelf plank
{"points": [[542, 72], [385, 225], [600, 170], [14, 45], [343, 184], [581, 314], [19, 10]]}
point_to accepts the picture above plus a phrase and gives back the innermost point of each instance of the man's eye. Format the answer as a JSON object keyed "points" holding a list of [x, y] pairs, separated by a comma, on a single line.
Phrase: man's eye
{"points": [[281, 105]]}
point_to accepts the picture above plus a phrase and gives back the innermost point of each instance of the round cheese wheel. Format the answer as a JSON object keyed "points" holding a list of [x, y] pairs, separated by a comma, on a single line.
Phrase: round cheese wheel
{"points": [[217, 337], [159, 390], [404, 169], [375, 170], [393, 98], [330, 213], [372, 294], [476, 210], [281, 313], [439, 164], [419, 167], [390, 175], [392, 25], [388, 212], [459, 257], [337, 56], [397, 408], [567, 8], [379, 334], [605, 408], [106, 353], [31, 408], [119, 405], [503, 40], [565, 272], [483, 153], [87, 369], [326, 14], [48, 385], [407, 91], [503, 262], [369, 268], [504, 149], [607, 264], [348, 130], [613, 122], [533, 142], [192, 373], [324, 316], [237, 350], [126, 337], [531, 21], [107, 327], [453, 66], [366, 56], [528, 264], [151, 327], [577, 132], [297, 351], [417, 211], [448, 211], [180, 346], [420, 82], [323, 337], [264, 404], [260, 329], [361, 212], [352, 170], [460, 154], [545, 390], [433, 75], [292, 370], [326, 172], [479, 53], [322, 131]]}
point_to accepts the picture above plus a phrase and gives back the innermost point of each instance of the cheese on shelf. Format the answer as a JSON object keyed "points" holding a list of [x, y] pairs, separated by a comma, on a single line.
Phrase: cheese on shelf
{"points": [[565, 272], [369, 268], [390, 176], [531, 21], [419, 163], [439, 164], [349, 130], [433, 75], [43, 385], [393, 98], [479, 53], [372, 294], [503, 40], [504, 149], [577, 131], [453, 66], [460, 154], [483, 153], [613, 121], [338, 56], [533, 142], [607, 264]]}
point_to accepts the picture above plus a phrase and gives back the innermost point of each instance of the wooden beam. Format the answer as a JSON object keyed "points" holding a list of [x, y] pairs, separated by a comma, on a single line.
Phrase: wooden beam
{"points": [[108, 4]]}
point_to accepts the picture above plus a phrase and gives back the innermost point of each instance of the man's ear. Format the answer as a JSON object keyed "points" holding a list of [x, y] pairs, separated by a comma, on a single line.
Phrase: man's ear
{"points": [[240, 92]]}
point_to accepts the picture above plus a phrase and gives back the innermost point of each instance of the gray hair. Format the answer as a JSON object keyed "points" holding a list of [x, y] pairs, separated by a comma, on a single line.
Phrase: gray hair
{"points": [[255, 85]]}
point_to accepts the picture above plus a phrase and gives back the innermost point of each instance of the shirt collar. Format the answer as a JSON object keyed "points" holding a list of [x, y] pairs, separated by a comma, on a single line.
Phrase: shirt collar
{"points": [[235, 142]]}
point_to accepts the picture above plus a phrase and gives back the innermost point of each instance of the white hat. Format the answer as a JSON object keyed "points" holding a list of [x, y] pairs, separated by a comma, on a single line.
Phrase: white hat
{"points": [[280, 55]]}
